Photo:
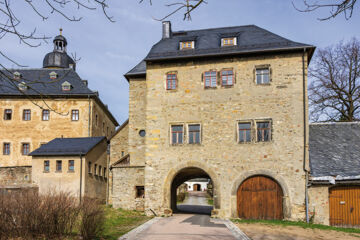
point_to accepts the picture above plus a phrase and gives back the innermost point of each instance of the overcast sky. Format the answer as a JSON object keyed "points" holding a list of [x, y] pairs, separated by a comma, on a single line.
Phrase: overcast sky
{"points": [[108, 50]]}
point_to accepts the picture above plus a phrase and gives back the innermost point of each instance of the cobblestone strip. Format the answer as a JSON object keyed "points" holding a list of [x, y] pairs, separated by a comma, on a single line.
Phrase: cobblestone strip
{"points": [[133, 233], [239, 235]]}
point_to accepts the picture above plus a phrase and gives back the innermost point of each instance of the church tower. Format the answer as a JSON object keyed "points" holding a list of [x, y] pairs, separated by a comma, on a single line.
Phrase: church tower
{"points": [[58, 58]]}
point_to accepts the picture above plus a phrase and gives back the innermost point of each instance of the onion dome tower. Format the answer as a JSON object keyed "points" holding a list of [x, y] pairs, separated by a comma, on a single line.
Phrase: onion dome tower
{"points": [[58, 58]]}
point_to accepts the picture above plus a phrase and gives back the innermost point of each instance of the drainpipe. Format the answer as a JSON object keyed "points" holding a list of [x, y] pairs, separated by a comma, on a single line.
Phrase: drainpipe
{"points": [[108, 172], [80, 176], [305, 150], [89, 116]]}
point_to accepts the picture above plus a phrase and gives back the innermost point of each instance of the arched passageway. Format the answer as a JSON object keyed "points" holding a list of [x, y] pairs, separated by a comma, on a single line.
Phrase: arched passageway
{"points": [[260, 197], [182, 176]]}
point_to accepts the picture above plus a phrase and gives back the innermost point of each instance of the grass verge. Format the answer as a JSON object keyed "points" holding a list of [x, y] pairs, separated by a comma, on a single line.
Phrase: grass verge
{"points": [[298, 224], [119, 221]]}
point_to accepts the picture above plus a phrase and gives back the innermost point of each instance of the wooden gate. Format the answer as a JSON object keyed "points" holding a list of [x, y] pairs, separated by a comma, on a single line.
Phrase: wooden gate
{"points": [[345, 206], [260, 197]]}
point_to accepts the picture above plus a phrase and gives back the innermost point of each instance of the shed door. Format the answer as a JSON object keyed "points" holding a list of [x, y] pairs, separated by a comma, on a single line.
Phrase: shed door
{"points": [[260, 197], [345, 206]]}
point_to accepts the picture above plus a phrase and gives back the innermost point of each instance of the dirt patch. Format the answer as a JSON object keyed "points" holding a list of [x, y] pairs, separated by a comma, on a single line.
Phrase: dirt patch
{"points": [[261, 231]]}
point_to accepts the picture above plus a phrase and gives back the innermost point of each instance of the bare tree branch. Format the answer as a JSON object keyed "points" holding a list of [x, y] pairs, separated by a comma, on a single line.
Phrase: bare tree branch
{"points": [[336, 7]]}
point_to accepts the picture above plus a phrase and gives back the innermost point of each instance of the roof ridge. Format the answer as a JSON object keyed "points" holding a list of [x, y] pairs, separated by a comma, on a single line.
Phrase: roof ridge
{"points": [[206, 29], [333, 123], [48, 69]]}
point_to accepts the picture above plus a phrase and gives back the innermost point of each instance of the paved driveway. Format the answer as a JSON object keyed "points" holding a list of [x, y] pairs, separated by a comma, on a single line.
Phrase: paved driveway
{"points": [[195, 202], [184, 227]]}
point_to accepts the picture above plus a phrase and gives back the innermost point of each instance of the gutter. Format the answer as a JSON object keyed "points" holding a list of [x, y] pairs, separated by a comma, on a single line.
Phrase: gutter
{"points": [[305, 140], [80, 176]]}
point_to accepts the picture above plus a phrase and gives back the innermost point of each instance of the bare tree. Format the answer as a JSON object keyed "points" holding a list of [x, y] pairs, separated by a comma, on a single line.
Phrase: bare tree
{"points": [[187, 5], [334, 91], [336, 7]]}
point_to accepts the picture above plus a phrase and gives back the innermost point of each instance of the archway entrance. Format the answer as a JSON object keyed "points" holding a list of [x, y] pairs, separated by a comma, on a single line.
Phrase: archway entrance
{"points": [[260, 197], [194, 202]]}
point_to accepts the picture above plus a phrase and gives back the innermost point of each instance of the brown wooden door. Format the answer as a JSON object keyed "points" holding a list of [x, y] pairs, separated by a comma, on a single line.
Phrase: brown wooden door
{"points": [[345, 206], [260, 197]]}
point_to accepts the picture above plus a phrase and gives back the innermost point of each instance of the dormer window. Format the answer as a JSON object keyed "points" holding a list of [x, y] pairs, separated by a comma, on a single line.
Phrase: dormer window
{"points": [[53, 75], [231, 41], [187, 45], [22, 86], [17, 75], [66, 86]]}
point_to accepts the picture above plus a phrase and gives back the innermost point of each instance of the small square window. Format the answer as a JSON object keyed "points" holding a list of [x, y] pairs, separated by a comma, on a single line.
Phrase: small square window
{"points": [[45, 115], [75, 115], [140, 192], [6, 149], [194, 133], [171, 81], [26, 114], [231, 41], [227, 77], [46, 166], [71, 165], [25, 150], [58, 165], [210, 79], [7, 114], [244, 132], [263, 130], [177, 133], [262, 76], [186, 45]]}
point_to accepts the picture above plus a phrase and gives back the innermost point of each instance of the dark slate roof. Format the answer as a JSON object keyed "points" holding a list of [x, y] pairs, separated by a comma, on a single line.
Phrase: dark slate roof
{"points": [[39, 81], [139, 69], [334, 149], [250, 39], [67, 146], [58, 59]]}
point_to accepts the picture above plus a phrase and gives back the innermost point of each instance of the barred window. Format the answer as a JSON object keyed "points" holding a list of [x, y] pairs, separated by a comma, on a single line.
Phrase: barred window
{"points": [[6, 149], [25, 150], [46, 166], [58, 165], [7, 114], [75, 115]]}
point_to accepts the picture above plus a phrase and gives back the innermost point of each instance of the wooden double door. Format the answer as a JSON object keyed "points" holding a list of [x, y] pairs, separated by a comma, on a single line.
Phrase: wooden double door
{"points": [[344, 206], [260, 197]]}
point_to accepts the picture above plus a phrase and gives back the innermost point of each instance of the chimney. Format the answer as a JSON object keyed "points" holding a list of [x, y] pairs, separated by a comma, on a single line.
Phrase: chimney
{"points": [[166, 29]]}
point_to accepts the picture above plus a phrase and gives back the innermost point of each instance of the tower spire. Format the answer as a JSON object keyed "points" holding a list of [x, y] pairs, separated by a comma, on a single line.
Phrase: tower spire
{"points": [[61, 31]]}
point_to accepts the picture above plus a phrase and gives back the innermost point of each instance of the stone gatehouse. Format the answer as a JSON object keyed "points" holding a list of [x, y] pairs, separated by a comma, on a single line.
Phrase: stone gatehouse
{"points": [[228, 104]]}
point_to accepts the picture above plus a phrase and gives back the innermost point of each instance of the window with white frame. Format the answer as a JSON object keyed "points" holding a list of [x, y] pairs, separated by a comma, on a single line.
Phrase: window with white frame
{"points": [[177, 134], [45, 115], [171, 81], [194, 133], [187, 45], [75, 115], [227, 77], [230, 41], [210, 79], [262, 75]]}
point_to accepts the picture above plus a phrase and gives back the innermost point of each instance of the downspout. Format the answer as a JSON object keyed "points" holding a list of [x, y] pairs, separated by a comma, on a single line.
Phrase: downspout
{"points": [[305, 140], [80, 176], [108, 172], [89, 116]]}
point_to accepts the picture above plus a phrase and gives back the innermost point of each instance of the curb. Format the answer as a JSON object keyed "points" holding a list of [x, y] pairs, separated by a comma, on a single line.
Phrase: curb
{"points": [[133, 233], [238, 234]]}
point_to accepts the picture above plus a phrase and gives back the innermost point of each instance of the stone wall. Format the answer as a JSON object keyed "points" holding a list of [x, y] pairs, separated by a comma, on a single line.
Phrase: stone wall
{"points": [[218, 110], [125, 180], [15, 175], [319, 204]]}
